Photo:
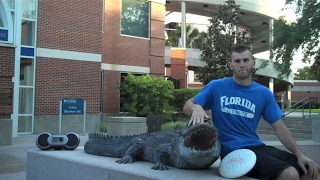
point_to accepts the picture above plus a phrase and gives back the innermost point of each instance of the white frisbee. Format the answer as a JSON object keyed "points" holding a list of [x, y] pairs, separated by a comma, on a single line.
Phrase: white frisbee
{"points": [[237, 163]]}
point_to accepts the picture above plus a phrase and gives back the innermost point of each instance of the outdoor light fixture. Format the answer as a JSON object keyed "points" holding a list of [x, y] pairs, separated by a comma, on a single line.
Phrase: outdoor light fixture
{"points": [[205, 6], [263, 42], [264, 24]]}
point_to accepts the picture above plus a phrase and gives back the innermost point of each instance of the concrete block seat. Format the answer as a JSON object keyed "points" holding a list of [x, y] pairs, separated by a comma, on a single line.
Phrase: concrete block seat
{"points": [[126, 125], [76, 164]]}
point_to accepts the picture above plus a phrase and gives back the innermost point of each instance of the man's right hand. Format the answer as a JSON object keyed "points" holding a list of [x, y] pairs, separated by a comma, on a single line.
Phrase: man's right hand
{"points": [[199, 115]]}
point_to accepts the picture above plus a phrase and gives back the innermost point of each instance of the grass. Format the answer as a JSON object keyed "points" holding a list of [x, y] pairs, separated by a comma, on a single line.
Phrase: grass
{"points": [[307, 110]]}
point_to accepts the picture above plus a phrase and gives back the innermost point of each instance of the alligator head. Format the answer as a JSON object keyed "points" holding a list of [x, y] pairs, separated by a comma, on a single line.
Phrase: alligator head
{"points": [[199, 145]]}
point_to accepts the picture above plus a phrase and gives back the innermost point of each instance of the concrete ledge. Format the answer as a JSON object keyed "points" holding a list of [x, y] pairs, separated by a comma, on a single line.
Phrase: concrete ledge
{"points": [[126, 125], [5, 132], [76, 164]]}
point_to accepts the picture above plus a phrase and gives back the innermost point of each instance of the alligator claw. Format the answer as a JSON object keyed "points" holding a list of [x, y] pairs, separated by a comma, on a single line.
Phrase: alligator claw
{"points": [[125, 160], [160, 167]]}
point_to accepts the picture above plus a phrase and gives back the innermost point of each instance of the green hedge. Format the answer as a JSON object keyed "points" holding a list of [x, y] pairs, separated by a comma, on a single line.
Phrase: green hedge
{"points": [[146, 95], [181, 96]]}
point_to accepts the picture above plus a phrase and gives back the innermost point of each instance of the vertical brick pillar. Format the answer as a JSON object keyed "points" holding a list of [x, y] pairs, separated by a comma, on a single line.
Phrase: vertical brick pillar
{"points": [[157, 44], [6, 85], [178, 65]]}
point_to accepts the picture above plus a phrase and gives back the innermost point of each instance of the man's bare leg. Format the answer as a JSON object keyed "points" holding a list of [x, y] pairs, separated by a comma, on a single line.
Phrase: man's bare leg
{"points": [[289, 173]]}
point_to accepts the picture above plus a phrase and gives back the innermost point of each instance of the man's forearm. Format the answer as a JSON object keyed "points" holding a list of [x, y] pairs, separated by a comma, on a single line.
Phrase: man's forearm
{"points": [[188, 107]]}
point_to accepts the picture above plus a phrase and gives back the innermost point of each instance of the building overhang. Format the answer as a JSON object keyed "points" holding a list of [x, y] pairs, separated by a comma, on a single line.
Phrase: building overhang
{"points": [[257, 16]]}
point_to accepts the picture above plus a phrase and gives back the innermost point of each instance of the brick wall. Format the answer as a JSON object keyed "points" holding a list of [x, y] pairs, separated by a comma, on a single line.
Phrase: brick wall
{"points": [[118, 49], [132, 51], [157, 44], [72, 25], [60, 78], [7, 55], [307, 83], [111, 96], [299, 95]]}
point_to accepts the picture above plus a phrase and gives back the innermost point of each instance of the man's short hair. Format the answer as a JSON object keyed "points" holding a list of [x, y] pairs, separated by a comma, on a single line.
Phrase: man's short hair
{"points": [[239, 49]]}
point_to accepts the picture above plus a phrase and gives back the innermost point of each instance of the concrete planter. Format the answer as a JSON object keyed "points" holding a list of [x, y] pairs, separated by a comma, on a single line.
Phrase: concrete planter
{"points": [[125, 125], [5, 132]]}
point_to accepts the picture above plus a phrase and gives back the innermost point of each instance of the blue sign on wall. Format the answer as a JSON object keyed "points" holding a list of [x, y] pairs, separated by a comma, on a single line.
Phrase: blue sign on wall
{"points": [[72, 106], [27, 51], [4, 35]]}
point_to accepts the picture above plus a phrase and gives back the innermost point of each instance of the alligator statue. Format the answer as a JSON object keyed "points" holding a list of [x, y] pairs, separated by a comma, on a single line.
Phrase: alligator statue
{"points": [[193, 147]]}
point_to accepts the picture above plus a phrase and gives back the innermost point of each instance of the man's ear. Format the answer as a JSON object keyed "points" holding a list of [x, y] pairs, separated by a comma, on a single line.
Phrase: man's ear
{"points": [[253, 63], [230, 65]]}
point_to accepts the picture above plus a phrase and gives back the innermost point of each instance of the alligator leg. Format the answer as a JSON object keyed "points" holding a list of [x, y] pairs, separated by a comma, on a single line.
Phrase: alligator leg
{"points": [[162, 155], [134, 150]]}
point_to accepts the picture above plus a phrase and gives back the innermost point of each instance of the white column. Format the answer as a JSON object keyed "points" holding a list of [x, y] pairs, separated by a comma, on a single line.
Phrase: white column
{"points": [[16, 78], [271, 85], [270, 36], [235, 30], [183, 24], [289, 96]]}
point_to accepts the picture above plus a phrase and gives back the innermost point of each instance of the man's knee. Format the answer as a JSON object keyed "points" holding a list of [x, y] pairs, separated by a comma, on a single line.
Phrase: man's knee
{"points": [[289, 173]]}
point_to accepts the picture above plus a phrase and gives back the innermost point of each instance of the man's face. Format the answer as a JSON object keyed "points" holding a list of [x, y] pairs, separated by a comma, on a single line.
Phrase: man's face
{"points": [[241, 64]]}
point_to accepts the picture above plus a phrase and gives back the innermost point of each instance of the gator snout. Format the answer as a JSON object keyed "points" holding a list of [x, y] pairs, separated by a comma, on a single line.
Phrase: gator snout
{"points": [[200, 137]]}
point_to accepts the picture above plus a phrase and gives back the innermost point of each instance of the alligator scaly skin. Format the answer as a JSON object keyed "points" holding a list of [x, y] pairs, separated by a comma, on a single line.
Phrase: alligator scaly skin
{"points": [[193, 147]]}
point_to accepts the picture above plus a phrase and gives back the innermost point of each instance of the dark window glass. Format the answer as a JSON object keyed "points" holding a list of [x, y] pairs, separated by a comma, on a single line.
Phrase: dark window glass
{"points": [[135, 18]]}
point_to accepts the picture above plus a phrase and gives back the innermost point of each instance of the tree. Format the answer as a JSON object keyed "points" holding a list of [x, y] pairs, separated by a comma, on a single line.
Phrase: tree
{"points": [[315, 67], [304, 34], [304, 73], [194, 38], [221, 37]]}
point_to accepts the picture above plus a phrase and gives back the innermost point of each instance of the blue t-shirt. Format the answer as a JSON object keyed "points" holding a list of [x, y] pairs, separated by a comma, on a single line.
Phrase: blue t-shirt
{"points": [[236, 111]]}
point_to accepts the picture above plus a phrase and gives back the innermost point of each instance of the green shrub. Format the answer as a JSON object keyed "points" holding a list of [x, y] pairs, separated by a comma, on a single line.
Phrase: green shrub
{"points": [[146, 95], [181, 96], [103, 127]]}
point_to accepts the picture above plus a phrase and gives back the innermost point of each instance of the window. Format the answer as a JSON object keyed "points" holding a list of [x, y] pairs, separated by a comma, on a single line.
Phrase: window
{"points": [[29, 9], [135, 18], [26, 72], [28, 22], [27, 33], [11, 3]]}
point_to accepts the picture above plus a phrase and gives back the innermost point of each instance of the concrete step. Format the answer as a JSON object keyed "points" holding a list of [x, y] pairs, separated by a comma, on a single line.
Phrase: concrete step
{"points": [[296, 135], [304, 130], [300, 129]]}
